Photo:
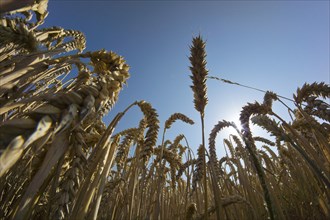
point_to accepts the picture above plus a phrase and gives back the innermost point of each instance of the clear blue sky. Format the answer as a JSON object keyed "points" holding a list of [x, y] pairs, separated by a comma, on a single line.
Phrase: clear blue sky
{"points": [[271, 45]]}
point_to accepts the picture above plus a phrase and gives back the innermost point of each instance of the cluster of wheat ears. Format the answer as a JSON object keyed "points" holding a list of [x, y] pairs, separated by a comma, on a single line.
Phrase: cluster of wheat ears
{"points": [[60, 161]]}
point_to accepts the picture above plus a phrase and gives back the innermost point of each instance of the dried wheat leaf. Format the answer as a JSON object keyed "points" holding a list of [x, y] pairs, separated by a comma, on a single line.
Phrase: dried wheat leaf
{"points": [[57, 149], [48, 109], [12, 153], [67, 119], [25, 123], [43, 126]]}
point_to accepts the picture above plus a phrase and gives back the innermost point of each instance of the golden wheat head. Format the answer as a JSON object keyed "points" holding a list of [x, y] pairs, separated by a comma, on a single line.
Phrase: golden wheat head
{"points": [[199, 73]]}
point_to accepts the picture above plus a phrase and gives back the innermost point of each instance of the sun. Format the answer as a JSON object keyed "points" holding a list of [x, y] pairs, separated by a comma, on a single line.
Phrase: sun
{"points": [[232, 115]]}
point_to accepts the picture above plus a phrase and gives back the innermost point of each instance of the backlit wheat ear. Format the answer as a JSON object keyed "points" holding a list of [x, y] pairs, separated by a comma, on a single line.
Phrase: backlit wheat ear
{"points": [[176, 141], [177, 116], [199, 171], [239, 146], [176, 146], [123, 148], [315, 106], [246, 113], [174, 161], [318, 108], [269, 125], [199, 76], [199, 73], [316, 89], [264, 140], [167, 143], [185, 166], [153, 128], [268, 100], [212, 137], [230, 146]]}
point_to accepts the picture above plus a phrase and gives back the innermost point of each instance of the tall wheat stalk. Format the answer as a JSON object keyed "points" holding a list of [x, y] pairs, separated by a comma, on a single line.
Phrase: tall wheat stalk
{"points": [[199, 74]]}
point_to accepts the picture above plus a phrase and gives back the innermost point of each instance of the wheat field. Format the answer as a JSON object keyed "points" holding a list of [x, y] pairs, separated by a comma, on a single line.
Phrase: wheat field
{"points": [[59, 160]]}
